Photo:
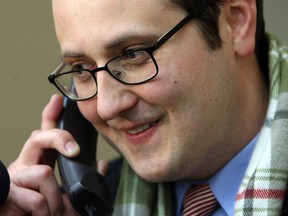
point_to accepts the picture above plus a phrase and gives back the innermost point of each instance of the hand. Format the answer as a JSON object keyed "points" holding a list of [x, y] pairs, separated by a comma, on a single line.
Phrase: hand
{"points": [[34, 189], [102, 167]]}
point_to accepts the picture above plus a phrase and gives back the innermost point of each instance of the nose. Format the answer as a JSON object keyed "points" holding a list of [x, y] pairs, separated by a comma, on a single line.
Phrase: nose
{"points": [[113, 97]]}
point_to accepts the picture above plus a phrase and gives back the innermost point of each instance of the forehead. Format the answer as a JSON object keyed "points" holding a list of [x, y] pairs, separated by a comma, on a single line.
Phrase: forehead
{"points": [[107, 6], [77, 21]]}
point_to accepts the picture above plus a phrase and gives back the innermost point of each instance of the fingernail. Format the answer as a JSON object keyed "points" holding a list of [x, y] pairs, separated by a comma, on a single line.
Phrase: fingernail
{"points": [[72, 147]]}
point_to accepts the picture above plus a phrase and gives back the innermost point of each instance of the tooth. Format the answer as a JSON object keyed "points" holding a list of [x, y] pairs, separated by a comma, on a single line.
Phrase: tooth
{"points": [[139, 129]]}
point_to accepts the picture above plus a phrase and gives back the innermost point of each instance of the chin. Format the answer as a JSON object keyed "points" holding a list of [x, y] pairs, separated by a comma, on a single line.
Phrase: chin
{"points": [[153, 178], [154, 173]]}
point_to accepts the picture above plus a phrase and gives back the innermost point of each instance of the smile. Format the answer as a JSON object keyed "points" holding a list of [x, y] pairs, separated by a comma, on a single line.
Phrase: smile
{"points": [[141, 128]]}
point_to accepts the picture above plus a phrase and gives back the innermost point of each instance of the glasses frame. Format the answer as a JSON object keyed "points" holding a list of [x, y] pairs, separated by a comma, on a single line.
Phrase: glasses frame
{"points": [[150, 50]]}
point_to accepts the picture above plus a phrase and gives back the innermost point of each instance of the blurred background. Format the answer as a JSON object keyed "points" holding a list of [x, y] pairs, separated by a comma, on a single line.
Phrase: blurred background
{"points": [[29, 52]]}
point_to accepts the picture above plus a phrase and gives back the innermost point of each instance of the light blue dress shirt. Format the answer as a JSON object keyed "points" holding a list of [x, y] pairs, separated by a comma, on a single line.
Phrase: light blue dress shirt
{"points": [[224, 184]]}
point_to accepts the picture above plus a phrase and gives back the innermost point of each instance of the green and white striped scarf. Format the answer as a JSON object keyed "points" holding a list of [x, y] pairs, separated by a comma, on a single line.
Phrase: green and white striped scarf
{"points": [[263, 188]]}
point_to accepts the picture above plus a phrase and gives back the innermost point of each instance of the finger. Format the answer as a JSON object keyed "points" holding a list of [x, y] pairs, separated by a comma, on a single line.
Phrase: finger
{"points": [[51, 112], [39, 142], [41, 178], [67, 207], [22, 201], [102, 167]]}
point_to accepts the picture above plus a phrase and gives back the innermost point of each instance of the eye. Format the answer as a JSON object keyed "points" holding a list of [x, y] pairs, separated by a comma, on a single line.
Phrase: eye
{"points": [[135, 58], [82, 66], [81, 76], [81, 72]]}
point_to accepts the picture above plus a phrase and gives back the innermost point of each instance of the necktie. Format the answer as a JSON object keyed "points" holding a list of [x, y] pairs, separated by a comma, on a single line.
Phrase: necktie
{"points": [[199, 201]]}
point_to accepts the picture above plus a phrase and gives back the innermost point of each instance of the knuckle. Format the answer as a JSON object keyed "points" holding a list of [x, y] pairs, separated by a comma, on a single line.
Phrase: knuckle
{"points": [[33, 140], [39, 201], [34, 137], [34, 134], [63, 136], [45, 172]]}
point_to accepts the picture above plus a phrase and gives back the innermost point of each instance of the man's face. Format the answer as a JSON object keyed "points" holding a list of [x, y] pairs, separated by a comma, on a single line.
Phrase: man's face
{"points": [[177, 125]]}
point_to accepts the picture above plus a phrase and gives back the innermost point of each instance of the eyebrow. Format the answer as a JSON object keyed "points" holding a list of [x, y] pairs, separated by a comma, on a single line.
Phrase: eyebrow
{"points": [[117, 42], [68, 54], [130, 36]]}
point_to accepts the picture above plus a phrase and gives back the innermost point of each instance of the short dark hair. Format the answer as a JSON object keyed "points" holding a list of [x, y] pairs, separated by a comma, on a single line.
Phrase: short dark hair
{"points": [[208, 23]]}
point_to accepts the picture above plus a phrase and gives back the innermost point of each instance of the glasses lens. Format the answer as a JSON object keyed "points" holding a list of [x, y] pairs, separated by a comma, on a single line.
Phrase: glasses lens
{"points": [[133, 67], [77, 84]]}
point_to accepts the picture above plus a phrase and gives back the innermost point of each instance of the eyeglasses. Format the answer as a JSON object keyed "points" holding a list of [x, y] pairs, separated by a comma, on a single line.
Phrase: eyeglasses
{"points": [[132, 68]]}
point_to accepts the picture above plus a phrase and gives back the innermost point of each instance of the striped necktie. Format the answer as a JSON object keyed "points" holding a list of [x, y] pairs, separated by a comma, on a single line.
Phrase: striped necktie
{"points": [[199, 201]]}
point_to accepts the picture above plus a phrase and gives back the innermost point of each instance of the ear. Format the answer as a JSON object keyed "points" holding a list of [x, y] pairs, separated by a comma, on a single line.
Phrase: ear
{"points": [[242, 21]]}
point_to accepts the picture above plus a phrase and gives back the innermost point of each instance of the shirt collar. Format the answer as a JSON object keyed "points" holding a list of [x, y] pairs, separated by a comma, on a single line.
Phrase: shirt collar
{"points": [[224, 184]]}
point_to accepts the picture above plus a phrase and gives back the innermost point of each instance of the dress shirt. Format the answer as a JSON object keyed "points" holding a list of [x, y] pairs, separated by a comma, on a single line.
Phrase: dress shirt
{"points": [[224, 184]]}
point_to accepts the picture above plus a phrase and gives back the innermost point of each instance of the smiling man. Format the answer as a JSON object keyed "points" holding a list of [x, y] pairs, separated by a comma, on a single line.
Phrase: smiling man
{"points": [[188, 92]]}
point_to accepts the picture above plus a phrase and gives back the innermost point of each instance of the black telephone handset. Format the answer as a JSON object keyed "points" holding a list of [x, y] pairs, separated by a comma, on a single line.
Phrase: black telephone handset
{"points": [[86, 188]]}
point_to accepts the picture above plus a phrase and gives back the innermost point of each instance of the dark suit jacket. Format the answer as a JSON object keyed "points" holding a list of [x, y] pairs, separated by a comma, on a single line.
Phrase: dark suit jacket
{"points": [[113, 176]]}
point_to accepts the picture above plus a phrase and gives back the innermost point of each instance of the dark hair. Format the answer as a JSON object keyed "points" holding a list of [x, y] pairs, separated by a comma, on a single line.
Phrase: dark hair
{"points": [[208, 23]]}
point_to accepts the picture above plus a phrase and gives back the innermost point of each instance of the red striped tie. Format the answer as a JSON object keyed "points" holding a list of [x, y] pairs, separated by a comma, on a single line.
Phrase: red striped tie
{"points": [[199, 201]]}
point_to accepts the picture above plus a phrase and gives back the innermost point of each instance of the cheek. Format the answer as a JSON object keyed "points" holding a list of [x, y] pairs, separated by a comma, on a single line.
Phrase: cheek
{"points": [[186, 69], [179, 79], [89, 111], [199, 85]]}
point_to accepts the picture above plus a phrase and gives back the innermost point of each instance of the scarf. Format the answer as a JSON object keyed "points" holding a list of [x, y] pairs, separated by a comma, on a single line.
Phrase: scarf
{"points": [[263, 187]]}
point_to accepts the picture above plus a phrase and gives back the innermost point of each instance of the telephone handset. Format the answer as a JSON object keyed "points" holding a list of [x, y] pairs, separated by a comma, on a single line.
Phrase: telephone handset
{"points": [[86, 188]]}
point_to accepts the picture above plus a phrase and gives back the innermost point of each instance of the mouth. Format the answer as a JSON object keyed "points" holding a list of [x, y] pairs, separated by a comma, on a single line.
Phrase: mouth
{"points": [[142, 128]]}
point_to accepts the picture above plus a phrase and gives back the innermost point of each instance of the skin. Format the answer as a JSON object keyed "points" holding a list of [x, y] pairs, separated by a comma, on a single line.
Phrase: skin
{"points": [[202, 108]]}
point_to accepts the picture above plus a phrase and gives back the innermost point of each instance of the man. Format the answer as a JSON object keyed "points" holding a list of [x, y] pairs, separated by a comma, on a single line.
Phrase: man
{"points": [[202, 104]]}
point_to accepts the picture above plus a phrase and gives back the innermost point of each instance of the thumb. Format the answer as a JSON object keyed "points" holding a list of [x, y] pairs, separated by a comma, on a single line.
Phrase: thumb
{"points": [[51, 112]]}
